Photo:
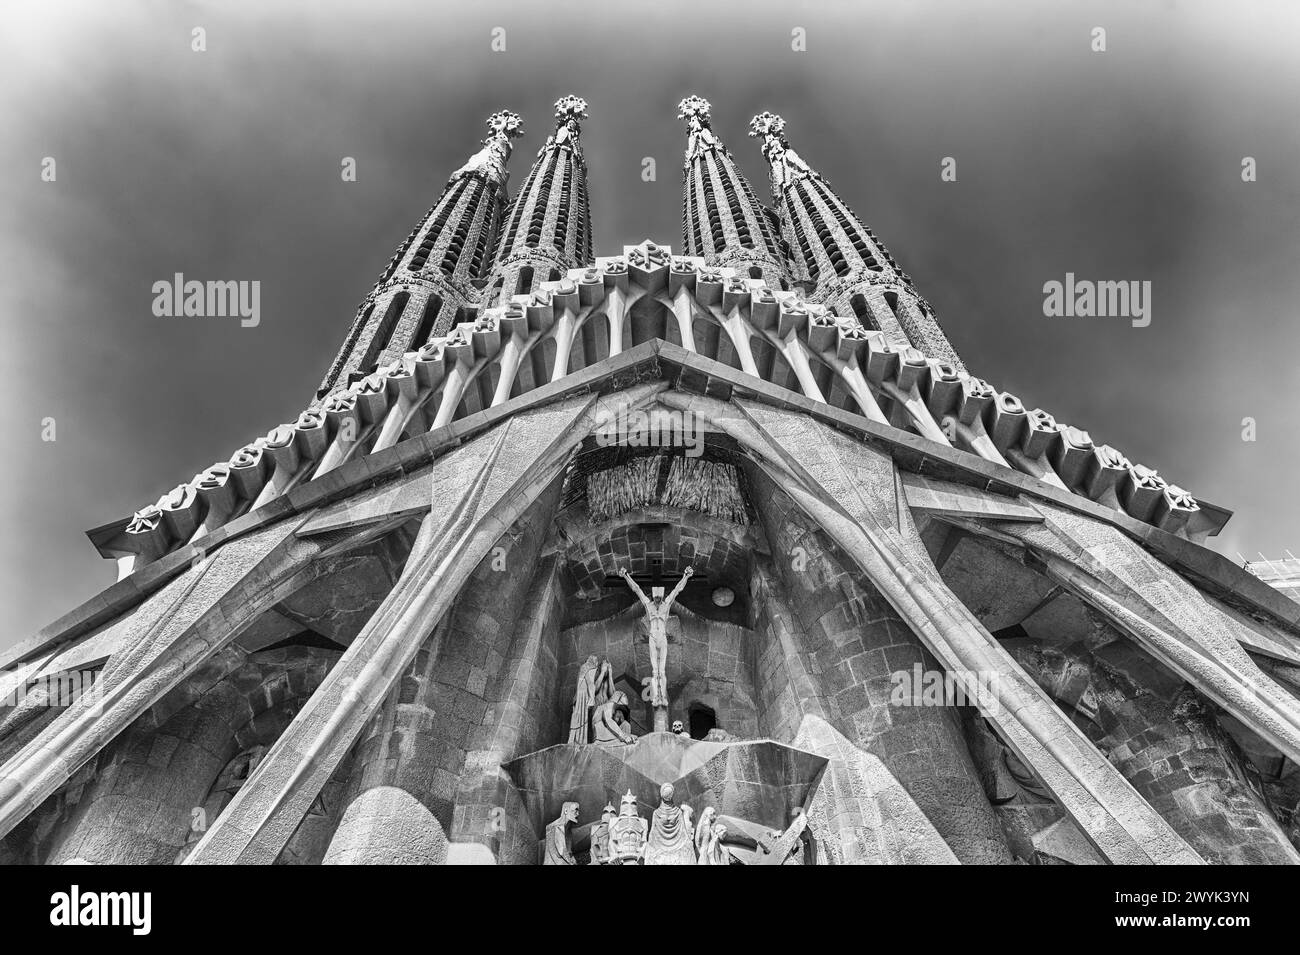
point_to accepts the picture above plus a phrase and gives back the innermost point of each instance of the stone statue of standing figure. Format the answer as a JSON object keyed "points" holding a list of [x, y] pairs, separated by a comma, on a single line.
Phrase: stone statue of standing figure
{"points": [[671, 840], [559, 846], [657, 610], [709, 849], [584, 698]]}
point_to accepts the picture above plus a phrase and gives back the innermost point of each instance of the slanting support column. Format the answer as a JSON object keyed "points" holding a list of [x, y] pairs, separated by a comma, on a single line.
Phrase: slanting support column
{"points": [[786, 687], [851, 492], [405, 397], [796, 354], [615, 309], [739, 332], [490, 818], [566, 327], [1171, 748], [170, 636], [1163, 613], [862, 814], [418, 743], [859, 643], [683, 308], [463, 369], [479, 489]]}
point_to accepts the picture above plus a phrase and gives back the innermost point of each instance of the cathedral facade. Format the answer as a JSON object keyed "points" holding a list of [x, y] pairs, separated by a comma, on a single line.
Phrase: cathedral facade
{"points": [[717, 555]]}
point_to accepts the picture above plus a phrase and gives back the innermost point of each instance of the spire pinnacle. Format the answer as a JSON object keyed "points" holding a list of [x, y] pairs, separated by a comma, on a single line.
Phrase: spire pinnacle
{"points": [[568, 110], [490, 161], [505, 123], [696, 111], [786, 166], [767, 125]]}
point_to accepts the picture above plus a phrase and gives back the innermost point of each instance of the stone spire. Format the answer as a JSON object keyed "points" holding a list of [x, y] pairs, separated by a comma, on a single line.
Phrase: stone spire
{"points": [[489, 163], [548, 228], [722, 218], [847, 266], [432, 275]]}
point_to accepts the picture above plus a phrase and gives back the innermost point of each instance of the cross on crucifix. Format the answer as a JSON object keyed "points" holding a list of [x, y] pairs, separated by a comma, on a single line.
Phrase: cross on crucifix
{"points": [[654, 578]]}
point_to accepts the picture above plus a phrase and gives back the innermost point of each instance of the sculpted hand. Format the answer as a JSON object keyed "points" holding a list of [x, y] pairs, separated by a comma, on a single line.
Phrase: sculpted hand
{"points": [[690, 572]]}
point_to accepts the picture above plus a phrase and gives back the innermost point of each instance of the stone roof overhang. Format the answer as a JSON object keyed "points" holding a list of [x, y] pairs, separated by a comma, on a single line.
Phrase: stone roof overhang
{"points": [[689, 372]]}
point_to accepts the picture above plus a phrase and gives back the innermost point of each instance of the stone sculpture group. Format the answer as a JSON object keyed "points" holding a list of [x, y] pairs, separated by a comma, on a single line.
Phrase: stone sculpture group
{"points": [[658, 609], [669, 837], [599, 711]]}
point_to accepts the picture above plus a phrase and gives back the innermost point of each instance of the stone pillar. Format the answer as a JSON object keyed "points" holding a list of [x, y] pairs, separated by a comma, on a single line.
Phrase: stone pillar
{"points": [[165, 640], [853, 641], [418, 742], [519, 718], [1169, 746], [138, 806]]}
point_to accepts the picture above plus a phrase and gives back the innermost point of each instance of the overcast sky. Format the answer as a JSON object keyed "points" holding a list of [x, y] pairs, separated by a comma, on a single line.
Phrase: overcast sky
{"points": [[1122, 165]]}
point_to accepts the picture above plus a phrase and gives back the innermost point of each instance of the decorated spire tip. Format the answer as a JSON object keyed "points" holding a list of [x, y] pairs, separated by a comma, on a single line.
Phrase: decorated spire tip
{"points": [[506, 123], [694, 108], [766, 125], [570, 109]]}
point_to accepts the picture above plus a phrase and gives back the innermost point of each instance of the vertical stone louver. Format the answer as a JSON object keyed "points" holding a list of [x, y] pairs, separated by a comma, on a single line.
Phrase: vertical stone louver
{"points": [[432, 275], [722, 218], [548, 228], [848, 268]]}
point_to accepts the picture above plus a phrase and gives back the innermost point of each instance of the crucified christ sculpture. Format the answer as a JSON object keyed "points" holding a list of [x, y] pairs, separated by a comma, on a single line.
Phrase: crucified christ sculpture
{"points": [[657, 609]]}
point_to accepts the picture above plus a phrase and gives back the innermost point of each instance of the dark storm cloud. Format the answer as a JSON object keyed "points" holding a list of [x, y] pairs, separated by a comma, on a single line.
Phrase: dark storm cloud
{"points": [[225, 165]]}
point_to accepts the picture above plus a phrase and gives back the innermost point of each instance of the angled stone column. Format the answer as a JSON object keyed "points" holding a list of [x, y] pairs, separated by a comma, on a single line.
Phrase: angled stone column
{"points": [[170, 636], [852, 492], [787, 691], [138, 805], [1163, 613], [861, 814], [422, 743], [853, 642], [469, 498], [1171, 749], [520, 718]]}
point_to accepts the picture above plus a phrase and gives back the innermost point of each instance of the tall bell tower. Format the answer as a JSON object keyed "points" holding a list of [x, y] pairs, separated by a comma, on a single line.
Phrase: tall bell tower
{"points": [[434, 274]]}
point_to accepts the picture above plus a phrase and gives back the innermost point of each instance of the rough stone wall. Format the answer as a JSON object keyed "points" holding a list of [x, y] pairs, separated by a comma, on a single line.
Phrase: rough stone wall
{"points": [[861, 814], [711, 547], [1171, 748], [135, 803], [853, 641], [419, 740], [787, 691], [709, 663], [520, 718]]}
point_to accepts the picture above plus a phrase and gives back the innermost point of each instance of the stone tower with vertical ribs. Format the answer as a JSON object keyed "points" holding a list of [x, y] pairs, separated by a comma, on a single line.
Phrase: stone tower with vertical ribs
{"points": [[924, 621]]}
